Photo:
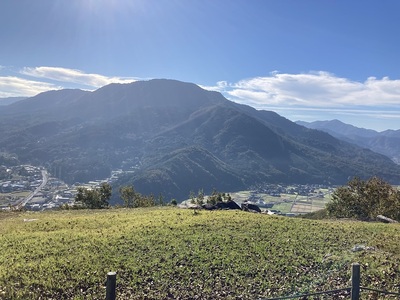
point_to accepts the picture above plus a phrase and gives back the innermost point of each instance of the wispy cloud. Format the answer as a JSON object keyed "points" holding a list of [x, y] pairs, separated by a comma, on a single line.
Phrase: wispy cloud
{"points": [[316, 95], [31, 81], [373, 103], [306, 113], [73, 76], [11, 86], [221, 86], [316, 89]]}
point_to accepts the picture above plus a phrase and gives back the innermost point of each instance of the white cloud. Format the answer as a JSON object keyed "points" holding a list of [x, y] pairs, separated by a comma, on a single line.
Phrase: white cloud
{"points": [[220, 87], [316, 89], [11, 86], [73, 76], [366, 113]]}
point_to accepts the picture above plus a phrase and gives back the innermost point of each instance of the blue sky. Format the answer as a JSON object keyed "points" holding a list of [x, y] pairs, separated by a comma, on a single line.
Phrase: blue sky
{"points": [[305, 59]]}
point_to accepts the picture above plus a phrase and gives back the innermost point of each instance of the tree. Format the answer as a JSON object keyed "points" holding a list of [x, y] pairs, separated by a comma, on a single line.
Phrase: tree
{"points": [[94, 198], [227, 197], [215, 197], [134, 199], [218, 197], [365, 200], [199, 199], [129, 195], [160, 199], [105, 193]]}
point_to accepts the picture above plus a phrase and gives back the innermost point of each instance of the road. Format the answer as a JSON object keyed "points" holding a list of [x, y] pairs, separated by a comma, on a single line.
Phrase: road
{"points": [[45, 178]]}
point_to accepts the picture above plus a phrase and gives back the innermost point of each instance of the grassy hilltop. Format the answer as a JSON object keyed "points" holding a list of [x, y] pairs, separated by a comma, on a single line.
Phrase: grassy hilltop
{"points": [[162, 253]]}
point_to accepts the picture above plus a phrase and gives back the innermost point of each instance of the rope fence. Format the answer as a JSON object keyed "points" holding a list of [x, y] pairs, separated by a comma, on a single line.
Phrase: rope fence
{"points": [[354, 289]]}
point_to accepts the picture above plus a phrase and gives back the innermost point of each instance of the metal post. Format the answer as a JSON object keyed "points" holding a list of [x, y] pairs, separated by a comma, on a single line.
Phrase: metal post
{"points": [[111, 285], [355, 281]]}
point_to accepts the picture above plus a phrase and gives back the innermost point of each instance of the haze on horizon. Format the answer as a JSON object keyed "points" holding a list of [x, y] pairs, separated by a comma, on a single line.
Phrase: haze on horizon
{"points": [[306, 60]]}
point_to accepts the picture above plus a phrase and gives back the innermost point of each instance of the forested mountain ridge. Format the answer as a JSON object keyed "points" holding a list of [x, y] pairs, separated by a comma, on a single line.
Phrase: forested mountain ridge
{"points": [[177, 138], [10, 100], [386, 142]]}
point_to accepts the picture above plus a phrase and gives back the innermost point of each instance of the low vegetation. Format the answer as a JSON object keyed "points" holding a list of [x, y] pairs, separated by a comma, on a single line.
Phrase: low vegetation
{"points": [[170, 253], [214, 198], [365, 200]]}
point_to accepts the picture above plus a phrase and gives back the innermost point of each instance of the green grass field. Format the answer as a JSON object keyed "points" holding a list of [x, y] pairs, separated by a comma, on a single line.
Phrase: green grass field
{"points": [[162, 253]]}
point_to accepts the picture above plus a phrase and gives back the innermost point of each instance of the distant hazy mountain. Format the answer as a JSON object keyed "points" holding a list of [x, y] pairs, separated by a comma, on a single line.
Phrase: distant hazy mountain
{"points": [[386, 142], [9, 100], [177, 138]]}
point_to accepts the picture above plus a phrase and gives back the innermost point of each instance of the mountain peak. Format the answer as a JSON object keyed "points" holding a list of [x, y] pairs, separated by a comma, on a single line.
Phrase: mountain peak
{"points": [[385, 142], [338, 127], [177, 137]]}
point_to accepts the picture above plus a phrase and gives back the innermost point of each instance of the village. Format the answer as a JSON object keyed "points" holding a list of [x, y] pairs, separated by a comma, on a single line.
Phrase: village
{"points": [[33, 188]]}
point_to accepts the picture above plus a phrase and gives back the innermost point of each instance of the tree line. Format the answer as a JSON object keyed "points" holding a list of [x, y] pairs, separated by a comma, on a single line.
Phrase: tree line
{"points": [[99, 197], [358, 199], [214, 198]]}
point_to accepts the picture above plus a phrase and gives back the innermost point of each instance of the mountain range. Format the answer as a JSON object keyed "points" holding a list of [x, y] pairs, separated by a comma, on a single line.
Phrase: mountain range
{"points": [[386, 142], [9, 100], [175, 138]]}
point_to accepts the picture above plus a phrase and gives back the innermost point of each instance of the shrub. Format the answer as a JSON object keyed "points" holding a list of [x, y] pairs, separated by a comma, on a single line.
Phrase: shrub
{"points": [[364, 200]]}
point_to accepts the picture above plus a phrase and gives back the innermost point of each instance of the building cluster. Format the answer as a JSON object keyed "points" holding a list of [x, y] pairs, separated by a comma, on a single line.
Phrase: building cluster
{"points": [[29, 187], [275, 190], [19, 178], [53, 195]]}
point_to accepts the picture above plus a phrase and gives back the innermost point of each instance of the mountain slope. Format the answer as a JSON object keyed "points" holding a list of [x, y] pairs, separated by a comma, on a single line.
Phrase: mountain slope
{"points": [[186, 170], [338, 127], [10, 100], [177, 138], [385, 142]]}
